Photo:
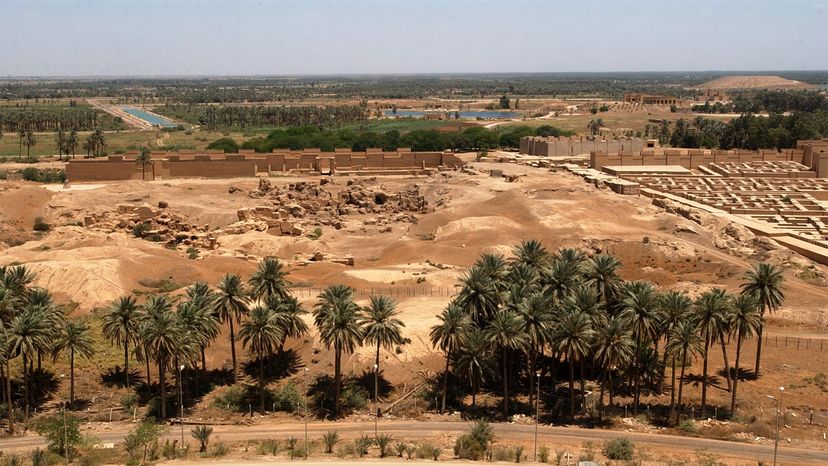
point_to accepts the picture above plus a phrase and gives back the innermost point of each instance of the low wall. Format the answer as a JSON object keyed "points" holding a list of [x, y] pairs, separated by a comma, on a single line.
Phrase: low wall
{"points": [[191, 164], [694, 158]]}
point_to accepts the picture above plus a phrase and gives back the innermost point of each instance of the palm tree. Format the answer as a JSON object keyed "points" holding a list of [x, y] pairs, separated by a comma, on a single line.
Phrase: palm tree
{"points": [[261, 333], [602, 272], [230, 305], [29, 141], [495, 267], [537, 320], [532, 253], [479, 297], [765, 282], [474, 360], [506, 331], [162, 335], [75, 339], [675, 308], [72, 142], [381, 325], [573, 338], [448, 336], [290, 314], [560, 278], [5, 363], [641, 309], [199, 317], [338, 319], [144, 160], [711, 310], [268, 281], [120, 325], [745, 321], [29, 334], [686, 342], [595, 125], [21, 134], [613, 347]]}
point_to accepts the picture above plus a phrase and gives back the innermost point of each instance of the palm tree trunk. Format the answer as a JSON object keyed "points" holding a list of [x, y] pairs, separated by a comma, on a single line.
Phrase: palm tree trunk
{"points": [[704, 374], [672, 388], [72, 377], [759, 342], [9, 406], [637, 375], [337, 360], [663, 365], [531, 361], [681, 384], [505, 385], [609, 378], [149, 380], [736, 375], [126, 364], [583, 388], [571, 389], [726, 363], [601, 400], [25, 389], [261, 384], [203, 360], [445, 383], [233, 347], [161, 364]]}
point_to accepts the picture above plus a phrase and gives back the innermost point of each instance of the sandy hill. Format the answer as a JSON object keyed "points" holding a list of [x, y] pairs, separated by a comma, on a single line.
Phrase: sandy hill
{"points": [[754, 82]]}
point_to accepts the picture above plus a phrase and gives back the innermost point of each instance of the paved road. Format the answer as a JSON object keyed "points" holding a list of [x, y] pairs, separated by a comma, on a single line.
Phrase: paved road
{"points": [[414, 430]]}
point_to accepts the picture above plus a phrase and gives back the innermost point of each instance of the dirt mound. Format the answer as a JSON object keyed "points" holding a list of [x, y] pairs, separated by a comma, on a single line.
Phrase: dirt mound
{"points": [[754, 82], [21, 205]]}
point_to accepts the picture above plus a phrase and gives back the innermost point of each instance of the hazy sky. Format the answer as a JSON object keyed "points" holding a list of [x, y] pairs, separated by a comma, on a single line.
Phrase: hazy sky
{"points": [[236, 37]]}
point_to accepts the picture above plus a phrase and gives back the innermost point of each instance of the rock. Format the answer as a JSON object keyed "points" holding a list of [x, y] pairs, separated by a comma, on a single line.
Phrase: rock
{"points": [[163, 204], [297, 231], [264, 185], [145, 212], [233, 189], [125, 208]]}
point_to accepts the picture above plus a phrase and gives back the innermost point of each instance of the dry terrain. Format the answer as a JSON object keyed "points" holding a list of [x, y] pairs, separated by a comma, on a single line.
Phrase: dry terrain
{"points": [[417, 256], [754, 82]]}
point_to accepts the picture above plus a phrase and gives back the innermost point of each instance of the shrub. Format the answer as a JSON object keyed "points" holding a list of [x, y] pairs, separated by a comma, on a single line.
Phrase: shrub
{"points": [[288, 399], [400, 448], [268, 447], [361, 445], [192, 253], [40, 225], [474, 444], [543, 454], [330, 439], [588, 453], [129, 401], [139, 230], [383, 441], [689, 426], [62, 433], [619, 449], [316, 234], [202, 433], [40, 457], [144, 440], [170, 450], [410, 450], [43, 176], [220, 449], [12, 460], [3, 175], [519, 453], [291, 443], [429, 451]]}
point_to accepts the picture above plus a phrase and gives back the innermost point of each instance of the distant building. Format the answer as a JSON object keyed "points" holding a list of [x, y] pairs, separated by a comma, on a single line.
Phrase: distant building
{"points": [[712, 95], [650, 99]]}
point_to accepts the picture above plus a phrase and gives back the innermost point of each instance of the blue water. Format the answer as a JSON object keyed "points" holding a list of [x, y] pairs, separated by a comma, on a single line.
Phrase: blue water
{"points": [[149, 117], [469, 115]]}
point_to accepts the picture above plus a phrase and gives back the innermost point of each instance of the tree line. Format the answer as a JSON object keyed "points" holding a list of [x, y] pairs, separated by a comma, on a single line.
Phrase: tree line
{"points": [[517, 321], [50, 120], [776, 131], [475, 138], [214, 116], [768, 101]]}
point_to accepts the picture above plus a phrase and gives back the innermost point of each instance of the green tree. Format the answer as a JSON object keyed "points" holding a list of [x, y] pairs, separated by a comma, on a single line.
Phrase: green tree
{"points": [[448, 336], [601, 272], [381, 325], [120, 325], [62, 433], [765, 282], [745, 321], [573, 338], [230, 305], [594, 126], [29, 334], [162, 334], [474, 359], [613, 348], [290, 314], [641, 308], [506, 331], [261, 333], [675, 308], [72, 142], [711, 309], [504, 102], [76, 340], [144, 160], [268, 281], [479, 296], [687, 342], [537, 320], [29, 141], [338, 319]]}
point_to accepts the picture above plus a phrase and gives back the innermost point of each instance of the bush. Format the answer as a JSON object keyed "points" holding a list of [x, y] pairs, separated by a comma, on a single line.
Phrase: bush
{"points": [[330, 439], [139, 230], [619, 449], [40, 225], [543, 454], [429, 451], [400, 448], [474, 444], [202, 433], [192, 253], [143, 440], [502, 453], [268, 447], [316, 234], [12, 460], [588, 453], [129, 402], [43, 176], [689, 426], [220, 449], [62, 433], [228, 145], [361, 445], [40, 458], [383, 441], [409, 451]]}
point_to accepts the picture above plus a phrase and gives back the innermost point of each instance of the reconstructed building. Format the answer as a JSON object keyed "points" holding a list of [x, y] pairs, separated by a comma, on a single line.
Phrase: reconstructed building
{"points": [[650, 99], [569, 146], [217, 164]]}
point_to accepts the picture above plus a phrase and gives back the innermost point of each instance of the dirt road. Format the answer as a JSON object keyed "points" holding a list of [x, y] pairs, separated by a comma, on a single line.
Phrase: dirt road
{"points": [[509, 433]]}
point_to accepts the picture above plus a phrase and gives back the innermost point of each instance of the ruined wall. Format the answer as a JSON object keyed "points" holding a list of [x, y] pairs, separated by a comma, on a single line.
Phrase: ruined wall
{"points": [[568, 146], [189, 164], [693, 158]]}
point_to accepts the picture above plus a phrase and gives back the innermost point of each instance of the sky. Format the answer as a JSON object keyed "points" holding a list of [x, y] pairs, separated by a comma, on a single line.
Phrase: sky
{"points": [[305, 37]]}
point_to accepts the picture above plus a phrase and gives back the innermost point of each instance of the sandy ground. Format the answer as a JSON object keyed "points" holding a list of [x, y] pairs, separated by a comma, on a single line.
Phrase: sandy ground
{"points": [[418, 264]]}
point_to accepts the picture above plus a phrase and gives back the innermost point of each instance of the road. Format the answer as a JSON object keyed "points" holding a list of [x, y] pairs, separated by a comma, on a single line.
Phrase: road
{"points": [[509, 433]]}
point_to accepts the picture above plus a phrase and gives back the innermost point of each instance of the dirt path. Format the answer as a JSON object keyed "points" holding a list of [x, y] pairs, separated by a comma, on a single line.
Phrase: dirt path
{"points": [[508, 433]]}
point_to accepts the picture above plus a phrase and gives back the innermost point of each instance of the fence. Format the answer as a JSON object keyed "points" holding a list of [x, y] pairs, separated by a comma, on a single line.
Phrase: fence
{"points": [[795, 343], [390, 291]]}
